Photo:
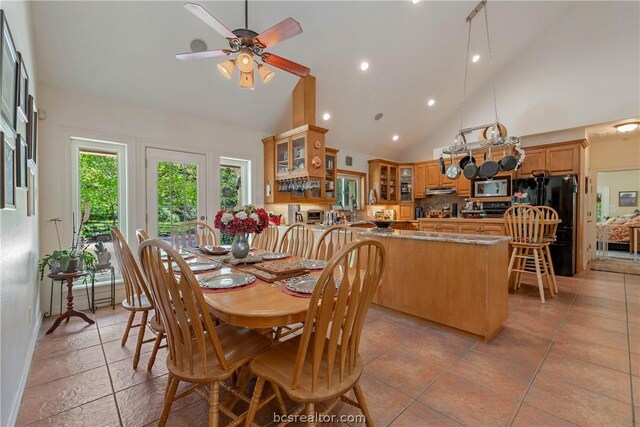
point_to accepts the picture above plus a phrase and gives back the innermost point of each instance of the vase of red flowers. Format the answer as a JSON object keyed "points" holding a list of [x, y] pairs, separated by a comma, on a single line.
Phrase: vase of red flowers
{"points": [[239, 222]]}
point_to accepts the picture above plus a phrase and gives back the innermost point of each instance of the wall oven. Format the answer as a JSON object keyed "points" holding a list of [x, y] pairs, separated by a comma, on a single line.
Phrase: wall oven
{"points": [[496, 187]]}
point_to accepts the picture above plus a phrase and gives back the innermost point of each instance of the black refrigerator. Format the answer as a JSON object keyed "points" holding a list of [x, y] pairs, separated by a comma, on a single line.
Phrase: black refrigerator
{"points": [[558, 192]]}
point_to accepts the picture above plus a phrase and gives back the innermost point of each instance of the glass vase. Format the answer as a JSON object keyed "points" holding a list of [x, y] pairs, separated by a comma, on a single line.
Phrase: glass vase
{"points": [[240, 246]]}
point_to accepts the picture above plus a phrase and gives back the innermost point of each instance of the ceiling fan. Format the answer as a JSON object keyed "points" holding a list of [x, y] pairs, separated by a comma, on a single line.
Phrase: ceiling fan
{"points": [[247, 43]]}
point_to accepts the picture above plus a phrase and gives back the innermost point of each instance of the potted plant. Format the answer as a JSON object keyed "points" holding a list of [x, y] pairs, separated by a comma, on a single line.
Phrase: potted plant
{"points": [[240, 221], [73, 259], [102, 253]]}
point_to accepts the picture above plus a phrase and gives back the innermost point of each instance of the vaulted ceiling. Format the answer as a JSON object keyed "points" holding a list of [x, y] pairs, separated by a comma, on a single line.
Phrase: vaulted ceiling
{"points": [[125, 51]]}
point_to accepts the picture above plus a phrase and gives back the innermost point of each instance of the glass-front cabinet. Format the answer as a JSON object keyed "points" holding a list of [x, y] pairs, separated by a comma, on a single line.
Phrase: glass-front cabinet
{"points": [[330, 167], [406, 183], [282, 157], [298, 162], [383, 179]]}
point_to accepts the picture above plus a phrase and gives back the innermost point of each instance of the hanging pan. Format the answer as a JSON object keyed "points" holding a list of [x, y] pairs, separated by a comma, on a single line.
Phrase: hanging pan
{"points": [[489, 168], [453, 171], [470, 169]]}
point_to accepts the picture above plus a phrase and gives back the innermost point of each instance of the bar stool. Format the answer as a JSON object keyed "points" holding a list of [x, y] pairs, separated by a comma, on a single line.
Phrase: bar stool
{"points": [[551, 220], [525, 227]]}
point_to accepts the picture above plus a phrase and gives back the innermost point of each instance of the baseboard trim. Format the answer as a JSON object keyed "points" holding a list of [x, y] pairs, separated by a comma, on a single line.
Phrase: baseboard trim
{"points": [[15, 408]]}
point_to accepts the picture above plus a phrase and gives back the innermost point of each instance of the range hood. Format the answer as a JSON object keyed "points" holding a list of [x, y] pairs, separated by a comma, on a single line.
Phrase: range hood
{"points": [[438, 191]]}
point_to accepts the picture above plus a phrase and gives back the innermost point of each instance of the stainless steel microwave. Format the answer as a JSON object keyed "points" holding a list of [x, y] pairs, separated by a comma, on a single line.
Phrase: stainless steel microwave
{"points": [[496, 187]]}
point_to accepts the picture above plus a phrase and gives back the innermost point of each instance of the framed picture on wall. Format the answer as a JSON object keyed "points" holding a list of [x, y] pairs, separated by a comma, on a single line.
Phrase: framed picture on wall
{"points": [[21, 162], [8, 75], [22, 91], [7, 163], [31, 191], [32, 130], [627, 198]]}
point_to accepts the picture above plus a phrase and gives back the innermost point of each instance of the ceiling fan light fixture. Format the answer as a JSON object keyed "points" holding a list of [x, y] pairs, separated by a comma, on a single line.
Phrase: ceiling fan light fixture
{"points": [[245, 61], [226, 68], [266, 74], [246, 79]]}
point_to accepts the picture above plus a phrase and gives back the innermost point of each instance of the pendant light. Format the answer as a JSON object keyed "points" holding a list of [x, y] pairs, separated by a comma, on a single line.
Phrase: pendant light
{"points": [[227, 68], [265, 73]]}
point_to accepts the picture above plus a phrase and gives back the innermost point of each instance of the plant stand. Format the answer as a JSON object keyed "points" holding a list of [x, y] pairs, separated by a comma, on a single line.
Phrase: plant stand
{"points": [[103, 270], [71, 312]]}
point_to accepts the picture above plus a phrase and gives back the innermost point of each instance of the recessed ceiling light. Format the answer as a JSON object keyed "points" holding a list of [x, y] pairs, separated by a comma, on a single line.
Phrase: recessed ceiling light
{"points": [[415, 1], [326, 116], [364, 65], [431, 102], [475, 58], [395, 137]]}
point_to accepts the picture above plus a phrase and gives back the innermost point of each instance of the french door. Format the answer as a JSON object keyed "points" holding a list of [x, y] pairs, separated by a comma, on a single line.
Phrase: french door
{"points": [[176, 189]]}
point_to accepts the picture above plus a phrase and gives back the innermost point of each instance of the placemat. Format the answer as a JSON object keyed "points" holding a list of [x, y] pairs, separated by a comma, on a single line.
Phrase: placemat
{"points": [[283, 288], [270, 277]]}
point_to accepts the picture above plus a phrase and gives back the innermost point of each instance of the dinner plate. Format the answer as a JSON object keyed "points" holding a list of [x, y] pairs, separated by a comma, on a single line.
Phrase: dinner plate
{"points": [[226, 281], [313, 264], [214, 250], [302, 284], [270, 256], [184, 254], [198, 266]]}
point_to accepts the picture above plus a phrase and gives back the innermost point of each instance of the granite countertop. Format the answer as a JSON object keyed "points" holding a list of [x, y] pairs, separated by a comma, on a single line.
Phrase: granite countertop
{"points": [[470, 239], [470, 220]]}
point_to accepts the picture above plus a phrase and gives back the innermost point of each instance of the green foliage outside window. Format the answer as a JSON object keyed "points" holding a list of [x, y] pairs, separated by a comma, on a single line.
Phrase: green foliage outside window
{"points": [[229, 194], [98, 175], [177, 195]]}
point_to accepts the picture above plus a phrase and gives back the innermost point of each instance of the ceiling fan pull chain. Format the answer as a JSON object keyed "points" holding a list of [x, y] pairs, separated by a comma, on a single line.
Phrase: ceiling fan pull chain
{"points": [[493, 82], [466, 71]]}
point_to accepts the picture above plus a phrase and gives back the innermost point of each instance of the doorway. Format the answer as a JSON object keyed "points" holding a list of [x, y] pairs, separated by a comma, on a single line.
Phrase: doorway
{"points": [[176, 189]]}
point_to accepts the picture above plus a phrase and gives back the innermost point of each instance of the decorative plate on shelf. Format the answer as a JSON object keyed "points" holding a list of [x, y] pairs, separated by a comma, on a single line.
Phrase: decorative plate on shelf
{"points": [[270, 256], [226, 281], [313, 264]]}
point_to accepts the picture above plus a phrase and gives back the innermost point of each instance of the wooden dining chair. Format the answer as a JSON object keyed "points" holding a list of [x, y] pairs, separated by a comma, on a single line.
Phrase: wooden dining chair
{"points": [[268, 239], [297, 240], [191, 234], [141, 235], [550, 220], [332, 240], [199, 352], [138, 300], [323, 363], [525, 227]]}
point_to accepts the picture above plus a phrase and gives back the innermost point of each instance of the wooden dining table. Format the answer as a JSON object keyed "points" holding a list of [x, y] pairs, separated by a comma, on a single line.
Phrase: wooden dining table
{"points": [[263, 305]]}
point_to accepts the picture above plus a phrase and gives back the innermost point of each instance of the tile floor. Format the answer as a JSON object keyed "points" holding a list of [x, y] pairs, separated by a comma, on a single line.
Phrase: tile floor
{"points": [[572, 361]]}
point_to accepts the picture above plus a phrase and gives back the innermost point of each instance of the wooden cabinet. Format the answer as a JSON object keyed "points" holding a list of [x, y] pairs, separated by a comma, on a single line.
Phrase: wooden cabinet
{"points": [[405, 175], [564, 160], [330, 174], [420, 176], [536, 159], [406, 210], [481, 228], [433, 175], [439, 227], [383, 178], [463, 187]]}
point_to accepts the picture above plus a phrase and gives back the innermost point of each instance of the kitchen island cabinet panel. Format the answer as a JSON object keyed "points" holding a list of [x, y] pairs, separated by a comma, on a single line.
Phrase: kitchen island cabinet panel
{"points": [[453, 283]]}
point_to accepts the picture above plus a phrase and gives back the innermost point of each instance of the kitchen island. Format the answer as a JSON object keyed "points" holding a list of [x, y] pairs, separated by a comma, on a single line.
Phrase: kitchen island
{"points": [[456, 280]]}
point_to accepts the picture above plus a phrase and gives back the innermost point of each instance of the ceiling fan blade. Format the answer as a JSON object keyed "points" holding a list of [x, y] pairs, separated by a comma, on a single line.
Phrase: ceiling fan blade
{"points": [[204, 54], [285, 64], [279, 32], [209, 19]]}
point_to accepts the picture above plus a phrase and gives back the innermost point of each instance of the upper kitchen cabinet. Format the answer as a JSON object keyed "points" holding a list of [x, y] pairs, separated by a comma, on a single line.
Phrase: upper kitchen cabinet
{"points": [[562, 158], [330, 166], [300, 153], [420, 177], [435, 178], [383, 179], [406, 183]]}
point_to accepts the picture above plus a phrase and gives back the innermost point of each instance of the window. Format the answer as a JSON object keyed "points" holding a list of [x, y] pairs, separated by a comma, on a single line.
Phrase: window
{"points": [[99, 178], [349, 191], [234, 186], [177, 195]]}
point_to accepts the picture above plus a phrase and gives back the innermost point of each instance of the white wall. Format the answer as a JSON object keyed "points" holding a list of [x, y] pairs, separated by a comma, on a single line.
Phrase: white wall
{"points": [[558, 82], [19, 255]]}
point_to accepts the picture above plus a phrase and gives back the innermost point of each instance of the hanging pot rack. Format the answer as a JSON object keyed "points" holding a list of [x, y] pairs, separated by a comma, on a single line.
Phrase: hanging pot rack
{"points": [[461, 145]]}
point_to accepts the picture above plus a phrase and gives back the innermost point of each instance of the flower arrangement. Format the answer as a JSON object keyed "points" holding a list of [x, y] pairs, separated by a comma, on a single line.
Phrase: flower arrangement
{"points": [[242, 219], [520, 197]]}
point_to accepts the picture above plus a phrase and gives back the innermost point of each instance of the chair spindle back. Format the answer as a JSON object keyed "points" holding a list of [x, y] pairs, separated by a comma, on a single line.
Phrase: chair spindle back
{"points": [[297, 240], [332, 240]]}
